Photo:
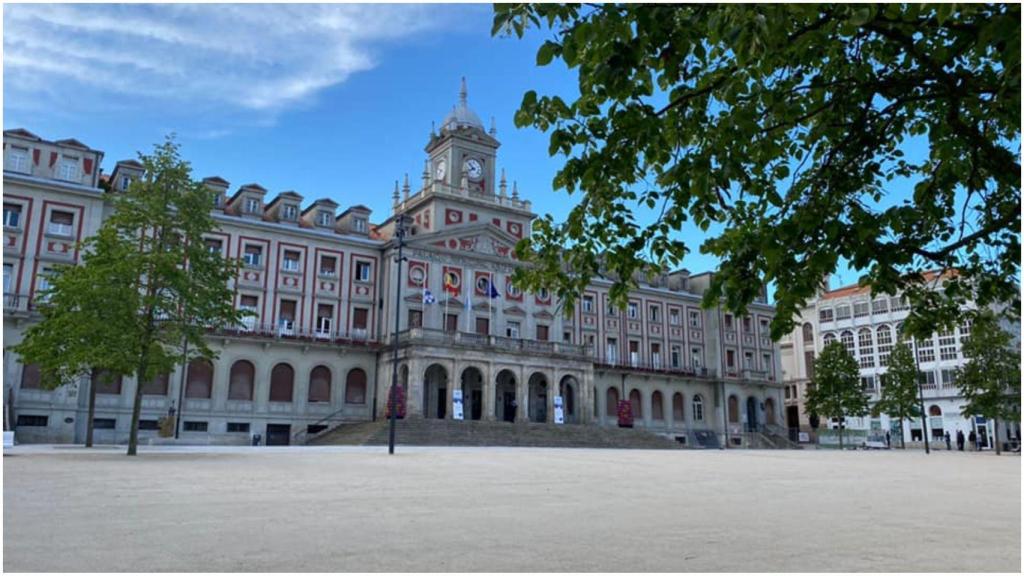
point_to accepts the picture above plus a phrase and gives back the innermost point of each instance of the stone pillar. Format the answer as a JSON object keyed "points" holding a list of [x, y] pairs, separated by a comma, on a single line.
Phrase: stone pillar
{"points": [[522, 397], [670, 413], [454, 379], [646, 397], [552, 391], [414, 398], [602, 403], [489, 391]]}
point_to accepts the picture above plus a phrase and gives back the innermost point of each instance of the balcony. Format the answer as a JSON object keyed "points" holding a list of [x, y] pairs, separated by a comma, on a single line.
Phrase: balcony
{"points": [[288, 331], [658, 366], [751, 374], [428, 336], [16, 304]]}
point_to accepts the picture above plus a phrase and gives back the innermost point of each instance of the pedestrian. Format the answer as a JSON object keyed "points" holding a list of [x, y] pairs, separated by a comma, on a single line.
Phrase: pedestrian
{"points": [[888, 439], [960, 440], [949, 445], [973, 439]]}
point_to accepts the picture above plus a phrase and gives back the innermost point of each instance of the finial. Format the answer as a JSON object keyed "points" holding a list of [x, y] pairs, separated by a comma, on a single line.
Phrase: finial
{"points": [[503, 186], [463, 93], [405, 187], [494, 127], [515, 190], [426, 173], [433, 129], [394, 195]]}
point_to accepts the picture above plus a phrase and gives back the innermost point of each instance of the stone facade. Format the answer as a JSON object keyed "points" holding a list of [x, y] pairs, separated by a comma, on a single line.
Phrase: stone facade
{"points": [[323, 289]]}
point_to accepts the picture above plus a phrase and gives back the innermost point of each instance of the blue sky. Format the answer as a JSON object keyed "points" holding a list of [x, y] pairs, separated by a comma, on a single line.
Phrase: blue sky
{"points": [[330, 101]]}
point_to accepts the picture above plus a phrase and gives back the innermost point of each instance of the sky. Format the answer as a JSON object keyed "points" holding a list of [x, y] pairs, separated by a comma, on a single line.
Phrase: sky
{"points": [[330, 101]]}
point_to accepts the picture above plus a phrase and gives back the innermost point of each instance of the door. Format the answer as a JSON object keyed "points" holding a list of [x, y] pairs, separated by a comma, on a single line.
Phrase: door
{"points": [[509, 407], [476, 409], [752, 414], [442, 401], [279, 434]]}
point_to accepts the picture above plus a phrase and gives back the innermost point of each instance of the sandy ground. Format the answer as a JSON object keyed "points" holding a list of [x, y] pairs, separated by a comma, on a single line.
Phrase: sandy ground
{"points": [[463, 509]]}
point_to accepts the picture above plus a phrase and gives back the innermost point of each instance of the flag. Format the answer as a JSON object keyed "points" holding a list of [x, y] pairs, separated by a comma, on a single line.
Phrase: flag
{"points": [[450, 283], [492, 291], [428, 298]]}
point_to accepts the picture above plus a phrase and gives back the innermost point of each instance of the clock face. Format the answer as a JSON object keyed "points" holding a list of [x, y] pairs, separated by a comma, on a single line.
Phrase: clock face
{"points": [[474, 169], [441, 170]]}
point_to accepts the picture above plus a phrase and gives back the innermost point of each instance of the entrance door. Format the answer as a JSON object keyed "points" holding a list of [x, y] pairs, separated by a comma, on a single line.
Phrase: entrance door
{"points": [[752, 413], [508, 407], [442, 401], [793, 422], [279, 434], [477, 407]]}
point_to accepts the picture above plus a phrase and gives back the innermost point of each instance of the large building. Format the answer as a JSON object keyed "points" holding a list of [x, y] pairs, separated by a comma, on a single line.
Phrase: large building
{"points": [[322, 288], [868, 326]]}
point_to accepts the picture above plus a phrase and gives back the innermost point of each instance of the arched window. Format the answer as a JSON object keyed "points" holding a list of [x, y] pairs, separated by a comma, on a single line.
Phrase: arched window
{"points": [[199, 382], [734, 410], [657, 406], [612, 402], [846, 338], [829, 338], [355, 386], [934, 410], [698, 408], [282, 383], [884, 338], [637, 406], [30, 379], [240, 384], [808, 332], [677, 407], [867, 348], [320, 384]]}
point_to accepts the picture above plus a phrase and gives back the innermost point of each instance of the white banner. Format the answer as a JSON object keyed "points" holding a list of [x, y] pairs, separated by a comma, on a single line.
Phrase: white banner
{"points": [[559, 411], [457, 404]]}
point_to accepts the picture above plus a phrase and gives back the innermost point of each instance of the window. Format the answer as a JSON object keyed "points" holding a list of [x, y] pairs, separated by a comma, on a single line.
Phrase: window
{"points": [[846, 339], [808, 333], [948, 378], [748, 360], [567, 337], [514, 291], [451, 323], [320, 384], [8, 274], [965, 330], [829, 338], [766, 362], [634, 353], [214, 245], [867, 348], [199, 379], [323, 218], [104, 423], [880, 306], [656, 355], [542, 332], [359, 318], [633, 311], [282, 383], [194, 426], [748, 324], [328, 266], [861, 309], [884, 338], [289, 212], [12, 215], [126, 181], [947, 346], [17, 159], [696, 357], [60, 223], [355, 387], [415, 318], [286, 317], [149, 425], [249, 303], [483, 326], [763, 326], [68, 169], [238, 427], [106, 383], [252, 205], [612, 350], [676, 357], [31, 378], [825, 315], [324, 319], [588, 304], [843, 312], [898, 303], [867, 383], [252, 256], [728, 322], [730, 358], [359, 225], [363, 271], [652, 313], [33, 420], [673, 316], [698, 408], [809, 363], [926, 349], [157, 386], [927, 380], [240, 384], [291, 261], [544, 294], [512, 329]]}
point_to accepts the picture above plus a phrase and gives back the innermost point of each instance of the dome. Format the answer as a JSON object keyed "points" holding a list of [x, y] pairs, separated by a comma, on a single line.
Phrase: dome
{"points": [[461, 115]]}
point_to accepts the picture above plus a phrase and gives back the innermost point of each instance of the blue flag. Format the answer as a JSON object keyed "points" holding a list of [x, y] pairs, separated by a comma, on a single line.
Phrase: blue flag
{"points": [[493, 292], [428, 298]]}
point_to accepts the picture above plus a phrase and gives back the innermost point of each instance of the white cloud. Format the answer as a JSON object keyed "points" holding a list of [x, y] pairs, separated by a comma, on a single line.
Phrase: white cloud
{"points": [[243, 57]]}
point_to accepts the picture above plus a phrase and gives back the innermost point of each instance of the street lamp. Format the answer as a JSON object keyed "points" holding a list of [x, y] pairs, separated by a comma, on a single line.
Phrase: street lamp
{"points": [[400, 223]]}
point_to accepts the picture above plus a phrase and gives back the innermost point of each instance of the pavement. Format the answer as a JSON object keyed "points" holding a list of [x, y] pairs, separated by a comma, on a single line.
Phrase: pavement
{"points": [[314, 509]]}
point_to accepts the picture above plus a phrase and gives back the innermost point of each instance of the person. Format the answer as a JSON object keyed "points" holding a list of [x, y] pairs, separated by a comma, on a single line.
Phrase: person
{"points": [[888, 439], [973, 439], [960, 440], [949, 444]]}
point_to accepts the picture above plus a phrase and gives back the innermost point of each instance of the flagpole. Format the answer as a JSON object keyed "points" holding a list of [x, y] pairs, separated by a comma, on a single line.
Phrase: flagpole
{"points": [[490, 307]]}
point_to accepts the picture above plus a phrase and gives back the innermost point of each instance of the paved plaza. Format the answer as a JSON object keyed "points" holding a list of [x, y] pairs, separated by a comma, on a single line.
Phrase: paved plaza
{"points": [[495, 509]]}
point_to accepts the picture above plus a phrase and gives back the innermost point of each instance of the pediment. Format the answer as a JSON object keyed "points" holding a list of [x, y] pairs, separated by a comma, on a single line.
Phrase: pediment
{"points": [[514, 311], [543, 314], [482, 238]]}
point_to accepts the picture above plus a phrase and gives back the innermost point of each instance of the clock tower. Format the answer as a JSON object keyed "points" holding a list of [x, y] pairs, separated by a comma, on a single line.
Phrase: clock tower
{"points": [[463, 153]]}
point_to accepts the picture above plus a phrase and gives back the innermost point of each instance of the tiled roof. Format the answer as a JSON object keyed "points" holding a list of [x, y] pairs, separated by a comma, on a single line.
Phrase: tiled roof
{"points": [[857, 289]]}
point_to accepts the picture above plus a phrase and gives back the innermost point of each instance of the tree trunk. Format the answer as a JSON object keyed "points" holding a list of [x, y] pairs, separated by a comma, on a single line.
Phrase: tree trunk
{"points": [[92, 413], [840, 433], [140, 375], [903, 437], [995, 434]]}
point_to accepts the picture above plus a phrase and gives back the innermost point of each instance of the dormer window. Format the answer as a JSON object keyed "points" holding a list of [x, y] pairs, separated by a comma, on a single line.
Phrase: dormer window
{"points": [[289, 212], [68, 169], [126, 181], [359, 225], [323, 218], [252, 205], [218, 200], [17, 159], [291, 261]]}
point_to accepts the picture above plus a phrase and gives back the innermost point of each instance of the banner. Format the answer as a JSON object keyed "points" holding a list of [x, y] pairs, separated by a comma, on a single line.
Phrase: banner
{"points": [[559, 411], [457, 404]]}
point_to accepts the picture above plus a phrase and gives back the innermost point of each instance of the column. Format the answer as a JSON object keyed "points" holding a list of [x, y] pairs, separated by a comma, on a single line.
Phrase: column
{"points": [[489, 390], [646, 397], [414, 399], [522, 397], [454, 379], [552, 392]]}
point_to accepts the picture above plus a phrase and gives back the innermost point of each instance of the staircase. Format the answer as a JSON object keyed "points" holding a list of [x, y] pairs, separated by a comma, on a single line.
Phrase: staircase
{"points": [[424, 432]]}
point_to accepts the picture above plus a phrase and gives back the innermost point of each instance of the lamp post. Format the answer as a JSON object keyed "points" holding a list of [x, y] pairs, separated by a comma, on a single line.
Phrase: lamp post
{"points": [[392, 395], [920, 399]]}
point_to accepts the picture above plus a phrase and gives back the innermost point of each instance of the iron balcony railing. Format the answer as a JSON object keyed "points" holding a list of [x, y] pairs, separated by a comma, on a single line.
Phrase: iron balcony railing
{"points": [[472, 339], [636, 364], [287, 330]]}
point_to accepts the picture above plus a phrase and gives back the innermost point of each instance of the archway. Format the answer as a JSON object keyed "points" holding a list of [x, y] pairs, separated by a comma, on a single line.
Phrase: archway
{"points": [[538, 398], [472, 394], [752, 423], [567, 390], [657, 406], [678, 411], [505, 403], [636, 404], [769, 411], [435, 391], [734, 410], [611, 408]]}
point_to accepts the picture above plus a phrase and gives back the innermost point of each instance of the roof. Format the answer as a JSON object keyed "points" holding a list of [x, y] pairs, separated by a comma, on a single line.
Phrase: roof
{"points": [[461, 114], [216, 180], [320, 203], [283, 195], [247, 188], [858, 289], [21, 132], [356, 208], [72, 143]]}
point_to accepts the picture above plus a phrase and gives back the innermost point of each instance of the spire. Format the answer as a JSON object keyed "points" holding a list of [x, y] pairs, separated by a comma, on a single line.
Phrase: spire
{"points": [[433, 129], [515, 190], [503, 186], [426, 174], [463, 93], [405, 187], [394, 195], [494, 127]]}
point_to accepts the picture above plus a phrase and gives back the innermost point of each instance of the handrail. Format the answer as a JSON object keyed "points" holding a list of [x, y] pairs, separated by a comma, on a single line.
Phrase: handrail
{"points": [[317, 423], [291, 332]]}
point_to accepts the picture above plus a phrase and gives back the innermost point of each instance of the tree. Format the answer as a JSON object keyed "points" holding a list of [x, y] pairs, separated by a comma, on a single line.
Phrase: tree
{"points": [[835, 391], [786, 129], [899, 394], [148, 287], [990, 379]]}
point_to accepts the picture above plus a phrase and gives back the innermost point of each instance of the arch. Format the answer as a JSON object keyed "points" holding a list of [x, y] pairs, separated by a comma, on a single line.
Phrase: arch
{"points": [[538, 398], [734, 409], [612, 402], [355, 386], [829, 338], [567, 389], [678, 407], [934, 410], [752, 419], [435, 391], [505, 403], [282, 383], [472, 393], [240, 381], [636, 404], [698, 408], [769, 411], [319, 384], [199, 379], [846, 338], [808, 332], [657, 406]]}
